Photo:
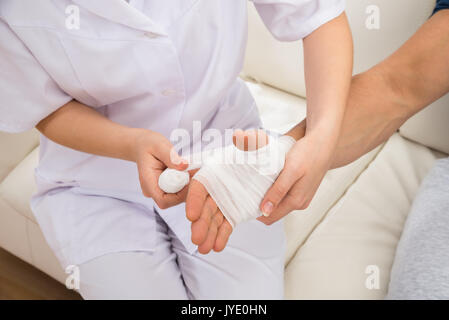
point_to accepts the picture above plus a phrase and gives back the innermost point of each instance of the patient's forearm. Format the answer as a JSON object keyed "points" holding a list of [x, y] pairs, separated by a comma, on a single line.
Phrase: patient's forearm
{"points": [[384, 97], [372, 115], [370, 118], [79, 127], [419, 70]]}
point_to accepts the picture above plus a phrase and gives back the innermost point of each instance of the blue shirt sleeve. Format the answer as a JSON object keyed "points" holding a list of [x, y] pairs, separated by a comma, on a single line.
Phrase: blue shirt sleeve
{"points": [[441, 4]]}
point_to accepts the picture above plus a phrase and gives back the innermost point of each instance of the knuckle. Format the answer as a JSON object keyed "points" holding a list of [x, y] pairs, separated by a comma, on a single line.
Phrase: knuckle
{"points": [[296, 167], [219, 219], [146, 193], [307, 204], [278, 191], [210, 204], [214, 222], [303, 204], [298, 203], [162, 204]]}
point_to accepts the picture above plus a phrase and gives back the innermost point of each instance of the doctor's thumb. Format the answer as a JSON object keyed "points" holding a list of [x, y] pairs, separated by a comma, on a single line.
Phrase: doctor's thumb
{"points": [[166, 153], [276, 193]]}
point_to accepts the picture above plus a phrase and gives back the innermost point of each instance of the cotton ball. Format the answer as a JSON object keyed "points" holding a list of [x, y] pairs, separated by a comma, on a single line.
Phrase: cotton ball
{"points": [[173, 181]]}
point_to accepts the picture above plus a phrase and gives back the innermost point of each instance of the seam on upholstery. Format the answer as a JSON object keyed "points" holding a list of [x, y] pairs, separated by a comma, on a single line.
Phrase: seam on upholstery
{"points": [[6, 203], [15, 210], [14, 167], [326, 214], [433, 149], [251, 79]]}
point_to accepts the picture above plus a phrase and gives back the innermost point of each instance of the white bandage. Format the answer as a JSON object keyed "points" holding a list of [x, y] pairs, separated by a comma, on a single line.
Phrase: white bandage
{"points": [[236, 180]]}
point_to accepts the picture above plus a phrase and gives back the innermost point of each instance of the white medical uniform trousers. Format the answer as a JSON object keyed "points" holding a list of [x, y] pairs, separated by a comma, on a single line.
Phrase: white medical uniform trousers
{"points": [[251, 267]]}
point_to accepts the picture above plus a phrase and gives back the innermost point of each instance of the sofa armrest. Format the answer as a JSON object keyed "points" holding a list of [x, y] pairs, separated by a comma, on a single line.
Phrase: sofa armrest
{"points": [[14, 148]]}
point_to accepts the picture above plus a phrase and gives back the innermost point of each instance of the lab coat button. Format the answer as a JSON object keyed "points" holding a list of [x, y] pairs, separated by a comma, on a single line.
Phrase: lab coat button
{"points": [[168, 92]]}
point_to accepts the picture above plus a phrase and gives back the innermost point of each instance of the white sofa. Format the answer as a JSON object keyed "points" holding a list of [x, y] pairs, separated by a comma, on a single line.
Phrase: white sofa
{"points": [[356, 218]]}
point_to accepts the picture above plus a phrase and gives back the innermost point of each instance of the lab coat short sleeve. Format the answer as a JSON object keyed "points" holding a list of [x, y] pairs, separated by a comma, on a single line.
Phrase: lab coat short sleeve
{"points": [[27, 92], [290, 20]]}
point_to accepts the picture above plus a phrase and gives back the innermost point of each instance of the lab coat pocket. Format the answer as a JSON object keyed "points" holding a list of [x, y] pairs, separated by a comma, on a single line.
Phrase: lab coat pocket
{"points": [[112, 70]]}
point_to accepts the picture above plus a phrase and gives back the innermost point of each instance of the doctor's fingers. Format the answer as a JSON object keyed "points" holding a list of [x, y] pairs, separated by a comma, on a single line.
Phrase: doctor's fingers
{"points": [[163, 150], [285, 207], [192, 173], [167, 200], [288, 177], [151, 189], [155, 150]]}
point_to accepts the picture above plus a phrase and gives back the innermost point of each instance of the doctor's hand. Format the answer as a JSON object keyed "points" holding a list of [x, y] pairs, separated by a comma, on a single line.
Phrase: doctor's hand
{"points": [[210, 229], [153, 154], [305, 167]]}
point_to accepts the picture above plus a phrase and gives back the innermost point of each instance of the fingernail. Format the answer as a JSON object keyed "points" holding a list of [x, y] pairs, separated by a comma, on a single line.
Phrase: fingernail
{"points": [[175, 158], [182, 161], [267, 208]]}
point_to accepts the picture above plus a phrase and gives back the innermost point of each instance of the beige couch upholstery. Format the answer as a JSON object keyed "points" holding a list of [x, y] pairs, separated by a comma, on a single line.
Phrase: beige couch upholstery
{"points": [[356, 218]]}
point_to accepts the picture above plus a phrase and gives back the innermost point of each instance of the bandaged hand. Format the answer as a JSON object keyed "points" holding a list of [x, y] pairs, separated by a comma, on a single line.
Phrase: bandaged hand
{"points": [[230, 185]]}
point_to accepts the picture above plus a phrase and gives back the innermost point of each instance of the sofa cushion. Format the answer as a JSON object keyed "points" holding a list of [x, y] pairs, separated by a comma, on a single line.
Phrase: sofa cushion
{"points": [[279, 111], [360, 233], [373, 43], [300, 224], [43, 257], [19, 185], [430, 127], [13, 232], [272, 62]]}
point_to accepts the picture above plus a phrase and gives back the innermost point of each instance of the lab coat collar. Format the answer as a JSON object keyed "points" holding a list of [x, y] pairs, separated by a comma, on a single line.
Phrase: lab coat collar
{"points": [[121, 12]]}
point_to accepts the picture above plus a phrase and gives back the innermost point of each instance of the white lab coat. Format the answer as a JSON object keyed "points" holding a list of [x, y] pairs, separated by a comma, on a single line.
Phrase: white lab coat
{"points": [[151, 64]]}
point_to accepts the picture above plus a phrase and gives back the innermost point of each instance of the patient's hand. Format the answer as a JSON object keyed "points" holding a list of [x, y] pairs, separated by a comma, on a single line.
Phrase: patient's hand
{"points": [[210, 229]]}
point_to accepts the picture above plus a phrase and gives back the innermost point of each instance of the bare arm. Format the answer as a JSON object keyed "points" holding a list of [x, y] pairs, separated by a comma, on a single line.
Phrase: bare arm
{"points": [[79, 127], [328, 54], [384, 97]]}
